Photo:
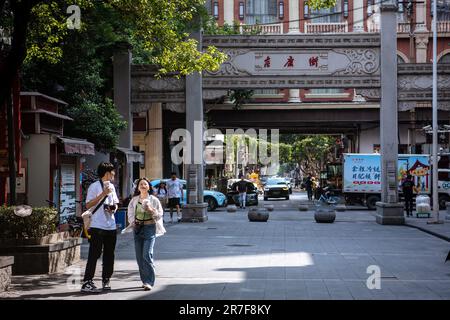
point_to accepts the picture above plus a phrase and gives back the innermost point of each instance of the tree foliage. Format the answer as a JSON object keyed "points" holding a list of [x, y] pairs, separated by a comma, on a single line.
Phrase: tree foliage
{"points": [[313, 152], [38, 30]]}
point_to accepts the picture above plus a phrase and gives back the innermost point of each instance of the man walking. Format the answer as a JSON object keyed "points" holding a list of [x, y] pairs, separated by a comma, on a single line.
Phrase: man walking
{"points": [[175, 193], [242, 189], [102, 196], [408, 193], [309, 187]]}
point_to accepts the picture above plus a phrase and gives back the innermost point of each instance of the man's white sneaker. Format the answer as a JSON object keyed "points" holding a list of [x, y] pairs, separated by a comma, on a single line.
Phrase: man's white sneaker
{"points": [[89, 287]]}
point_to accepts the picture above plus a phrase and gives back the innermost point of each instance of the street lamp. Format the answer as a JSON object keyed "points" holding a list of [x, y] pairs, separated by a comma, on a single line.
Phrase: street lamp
{"points": [[216, 10], [435, 119], [241, 10], [281, 10], [345, 9]]}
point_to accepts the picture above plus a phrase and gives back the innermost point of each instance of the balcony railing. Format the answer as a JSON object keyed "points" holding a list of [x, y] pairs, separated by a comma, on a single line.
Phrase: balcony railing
{"points": [[443, 26], [401, 27], [332, 27], [262, 29]]}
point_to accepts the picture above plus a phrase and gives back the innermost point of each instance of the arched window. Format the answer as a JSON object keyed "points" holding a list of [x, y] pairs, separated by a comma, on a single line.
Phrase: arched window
{"points": [[445, 58], [400, 59]]}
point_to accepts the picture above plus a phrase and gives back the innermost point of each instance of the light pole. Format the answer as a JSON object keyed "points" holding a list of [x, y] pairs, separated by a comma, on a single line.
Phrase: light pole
{"points": [[435, 118]]}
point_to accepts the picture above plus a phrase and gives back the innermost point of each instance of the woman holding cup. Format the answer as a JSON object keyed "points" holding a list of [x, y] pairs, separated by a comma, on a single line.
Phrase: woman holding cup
{"points": [[145, 219]]}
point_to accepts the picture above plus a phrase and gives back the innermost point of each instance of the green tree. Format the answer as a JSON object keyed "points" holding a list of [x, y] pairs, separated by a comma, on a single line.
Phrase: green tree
{"points": [[313, 152], [37, 29]]}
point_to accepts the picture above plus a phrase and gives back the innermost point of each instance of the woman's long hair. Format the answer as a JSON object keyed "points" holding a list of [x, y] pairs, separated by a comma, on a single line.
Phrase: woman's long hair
{"points": [[136, 190]]}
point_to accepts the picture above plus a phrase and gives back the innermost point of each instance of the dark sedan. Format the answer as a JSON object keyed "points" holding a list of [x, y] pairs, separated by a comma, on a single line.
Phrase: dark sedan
{"points": [[276, 188], [251, 198]]}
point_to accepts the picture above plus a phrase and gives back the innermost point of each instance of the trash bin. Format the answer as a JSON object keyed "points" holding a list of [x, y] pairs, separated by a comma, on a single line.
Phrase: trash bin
{"points": [[121, 218]]}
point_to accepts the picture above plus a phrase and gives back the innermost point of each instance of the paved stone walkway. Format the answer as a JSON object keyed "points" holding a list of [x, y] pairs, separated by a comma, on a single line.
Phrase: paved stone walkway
{"points": [[289, 257]]}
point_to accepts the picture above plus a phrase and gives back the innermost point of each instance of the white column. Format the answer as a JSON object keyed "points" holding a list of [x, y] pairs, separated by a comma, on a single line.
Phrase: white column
{"points": [[154, 143], [358, 16], [294, 16], [228, 11], [421, 16]]}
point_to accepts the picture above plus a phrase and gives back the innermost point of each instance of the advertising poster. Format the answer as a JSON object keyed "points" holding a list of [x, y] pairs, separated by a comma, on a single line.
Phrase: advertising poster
{"points": [[362, 172]]}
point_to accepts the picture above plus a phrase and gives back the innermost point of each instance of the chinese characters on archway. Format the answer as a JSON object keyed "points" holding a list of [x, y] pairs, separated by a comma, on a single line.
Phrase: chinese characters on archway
{"points": [[313, 61]]}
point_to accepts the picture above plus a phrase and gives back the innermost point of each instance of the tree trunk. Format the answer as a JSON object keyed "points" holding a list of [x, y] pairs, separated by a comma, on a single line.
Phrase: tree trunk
{"points": [[11, 62]]}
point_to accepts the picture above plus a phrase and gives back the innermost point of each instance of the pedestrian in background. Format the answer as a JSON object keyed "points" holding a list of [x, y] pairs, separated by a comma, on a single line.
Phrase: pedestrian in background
{"points": [[309, 187], [408, 193], [162, 194], [242, 189], [145, 217], [175, 194]]}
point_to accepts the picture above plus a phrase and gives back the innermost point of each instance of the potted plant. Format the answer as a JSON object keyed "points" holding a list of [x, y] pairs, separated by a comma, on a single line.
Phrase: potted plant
{"points": [[30, 235]]}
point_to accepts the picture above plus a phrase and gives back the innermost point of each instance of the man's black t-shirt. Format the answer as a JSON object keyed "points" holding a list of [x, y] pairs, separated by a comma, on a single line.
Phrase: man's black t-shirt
{"points": [[242, 186], [408, 186]]}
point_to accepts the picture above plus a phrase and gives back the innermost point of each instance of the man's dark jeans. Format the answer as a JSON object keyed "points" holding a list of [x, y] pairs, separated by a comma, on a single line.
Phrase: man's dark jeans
{"points": [[409, 204], [101, 240]]}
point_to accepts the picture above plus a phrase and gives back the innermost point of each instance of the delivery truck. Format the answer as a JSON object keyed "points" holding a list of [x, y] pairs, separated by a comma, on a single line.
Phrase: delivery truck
{"points": [[360, 182]]}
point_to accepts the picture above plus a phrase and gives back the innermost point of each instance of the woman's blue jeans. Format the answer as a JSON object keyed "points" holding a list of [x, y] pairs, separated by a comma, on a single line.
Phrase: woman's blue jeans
{"points": [[144, 240]]}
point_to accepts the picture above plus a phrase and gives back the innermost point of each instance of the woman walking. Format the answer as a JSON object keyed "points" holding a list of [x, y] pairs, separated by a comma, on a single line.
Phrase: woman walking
{"points": [[162, 195], [145, 217]]}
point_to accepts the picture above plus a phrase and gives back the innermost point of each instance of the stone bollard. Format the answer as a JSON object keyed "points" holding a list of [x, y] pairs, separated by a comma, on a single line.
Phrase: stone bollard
{"points": [[341, 207], [324, 215], [303, 207], [258, 215], [231, 208], [269, 207]]}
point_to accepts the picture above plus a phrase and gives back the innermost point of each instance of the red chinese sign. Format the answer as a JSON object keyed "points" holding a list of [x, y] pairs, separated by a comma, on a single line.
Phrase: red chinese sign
{"points": [[290, 62], [314, 62], [267, 62]]}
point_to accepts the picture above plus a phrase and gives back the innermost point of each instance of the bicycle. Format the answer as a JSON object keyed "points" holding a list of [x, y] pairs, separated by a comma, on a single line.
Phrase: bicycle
{"points": [[327, 198], [75, 223]]}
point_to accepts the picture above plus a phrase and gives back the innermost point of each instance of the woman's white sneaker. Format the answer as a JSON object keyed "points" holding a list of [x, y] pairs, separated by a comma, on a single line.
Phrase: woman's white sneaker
{"points": [[147, 287]]}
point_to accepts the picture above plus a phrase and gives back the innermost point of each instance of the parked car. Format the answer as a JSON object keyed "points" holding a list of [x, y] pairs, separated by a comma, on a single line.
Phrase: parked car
{"points": [[289, 184], [251, 198], [214, 199], [276, 188]]}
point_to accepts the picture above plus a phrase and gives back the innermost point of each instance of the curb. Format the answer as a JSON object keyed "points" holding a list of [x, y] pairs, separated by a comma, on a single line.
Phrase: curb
{"points": [[440, 236]]}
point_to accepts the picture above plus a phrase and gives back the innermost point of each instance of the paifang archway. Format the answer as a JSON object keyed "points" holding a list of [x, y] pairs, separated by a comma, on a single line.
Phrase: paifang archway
{"points": [[365, 62]]}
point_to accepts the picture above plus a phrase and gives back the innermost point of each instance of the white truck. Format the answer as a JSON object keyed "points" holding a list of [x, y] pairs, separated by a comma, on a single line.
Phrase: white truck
{"points": [[362, 177]]}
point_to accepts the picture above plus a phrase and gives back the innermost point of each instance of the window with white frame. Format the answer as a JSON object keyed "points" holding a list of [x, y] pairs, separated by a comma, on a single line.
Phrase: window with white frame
{"points": [[208, 5], [443, 10], [327, 15], [260, 11]]}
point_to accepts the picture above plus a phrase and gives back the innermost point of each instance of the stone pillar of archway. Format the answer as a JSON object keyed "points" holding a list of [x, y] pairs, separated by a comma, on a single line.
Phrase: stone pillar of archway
{"points": [[389, 210], [122, 100], [294, 27], [195, 209]]}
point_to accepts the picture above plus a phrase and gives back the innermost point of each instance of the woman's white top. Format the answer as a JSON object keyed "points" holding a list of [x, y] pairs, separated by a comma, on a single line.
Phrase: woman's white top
{"points": [[155, 204]]}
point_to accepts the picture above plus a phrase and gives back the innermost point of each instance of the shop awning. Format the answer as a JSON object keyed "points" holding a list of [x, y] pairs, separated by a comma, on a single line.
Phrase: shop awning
{"points": [[131, 155], [77, 146]]}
